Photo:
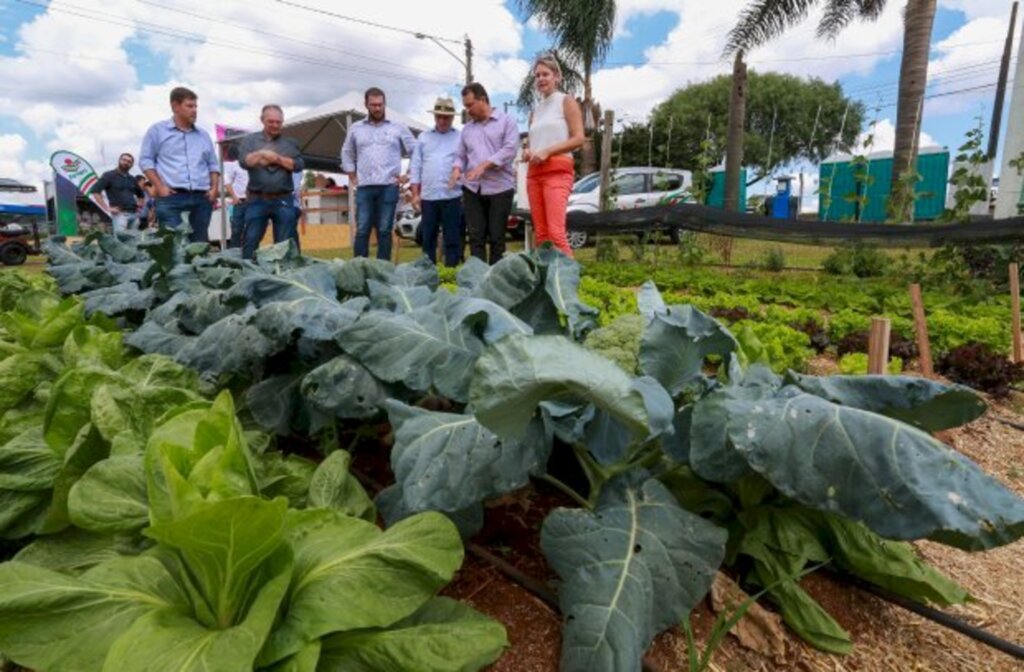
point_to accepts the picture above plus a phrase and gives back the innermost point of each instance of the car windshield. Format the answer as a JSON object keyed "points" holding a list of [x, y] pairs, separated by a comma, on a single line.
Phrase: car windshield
{"points": [[587, 184]]}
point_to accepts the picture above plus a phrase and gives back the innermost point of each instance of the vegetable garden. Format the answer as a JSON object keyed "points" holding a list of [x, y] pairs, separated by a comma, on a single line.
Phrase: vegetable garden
{"points": [[195, 451]]}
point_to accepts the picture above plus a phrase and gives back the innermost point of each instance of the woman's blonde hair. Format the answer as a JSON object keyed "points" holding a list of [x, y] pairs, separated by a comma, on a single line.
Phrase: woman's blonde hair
{"points": [[549, 61]]}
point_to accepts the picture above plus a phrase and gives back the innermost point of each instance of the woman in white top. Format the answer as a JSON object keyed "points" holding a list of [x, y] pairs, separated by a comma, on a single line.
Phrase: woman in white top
{"points": [[556, 129]]}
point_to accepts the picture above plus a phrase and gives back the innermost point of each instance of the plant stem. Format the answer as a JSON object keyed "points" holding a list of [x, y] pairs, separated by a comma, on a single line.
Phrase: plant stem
{"points": [[559, 485]]}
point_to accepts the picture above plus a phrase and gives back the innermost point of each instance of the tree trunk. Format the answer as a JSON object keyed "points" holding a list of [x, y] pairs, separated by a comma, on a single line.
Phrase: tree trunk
{"points": [[588, 157], [918, 21], [734, 135]]}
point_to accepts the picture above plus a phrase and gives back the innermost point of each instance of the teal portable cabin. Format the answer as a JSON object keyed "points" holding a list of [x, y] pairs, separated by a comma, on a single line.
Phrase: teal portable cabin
{"points": [[716, 197], [837, 197]]}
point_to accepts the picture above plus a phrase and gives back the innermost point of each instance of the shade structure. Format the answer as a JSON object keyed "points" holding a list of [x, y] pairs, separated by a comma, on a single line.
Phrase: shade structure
{"points": [[321, 130]]}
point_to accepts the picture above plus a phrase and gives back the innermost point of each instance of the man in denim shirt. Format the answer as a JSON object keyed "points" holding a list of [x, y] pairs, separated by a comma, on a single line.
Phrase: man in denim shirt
{"points": [[429, 170], [372, 157], [178, 158], [271, 160]]}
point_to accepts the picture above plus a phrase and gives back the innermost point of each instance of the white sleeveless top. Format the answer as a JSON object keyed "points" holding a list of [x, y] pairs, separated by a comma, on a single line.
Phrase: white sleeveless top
{"points": [[548, 126]]}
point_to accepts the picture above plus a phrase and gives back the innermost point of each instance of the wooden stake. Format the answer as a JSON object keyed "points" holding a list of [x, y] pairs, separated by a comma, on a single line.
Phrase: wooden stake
{"points": [[878, 346], [924, 349], [606, 160], [1018, 348]]}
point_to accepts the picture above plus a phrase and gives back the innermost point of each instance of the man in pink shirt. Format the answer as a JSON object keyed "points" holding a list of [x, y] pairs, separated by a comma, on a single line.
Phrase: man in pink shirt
{"points": [[485, 162]]}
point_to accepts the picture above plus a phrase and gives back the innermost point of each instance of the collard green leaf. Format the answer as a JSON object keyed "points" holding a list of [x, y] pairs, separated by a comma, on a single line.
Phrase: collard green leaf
{"points": [[899, 481], [343, 388], [649, 301], [229, 346], [420, 272], [920, 402], [50, 621], [350, 276], [398, 298], [118, 299], [634, 566], [561, 282], [350, 575], [675, 345], [507, 283], [111, 496], [447, 462], [393, 509], [334, 487], [443, 636], [421, 349], [491, 321], [514, 375]]}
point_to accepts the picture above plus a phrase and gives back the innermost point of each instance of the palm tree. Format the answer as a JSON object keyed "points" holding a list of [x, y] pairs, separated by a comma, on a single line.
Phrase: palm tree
{"points": [[583, 31], [766, 19]]}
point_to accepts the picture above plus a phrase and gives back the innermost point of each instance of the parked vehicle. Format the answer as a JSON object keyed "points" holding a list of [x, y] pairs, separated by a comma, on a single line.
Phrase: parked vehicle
{"points": [[631, 188], [17, 241]]}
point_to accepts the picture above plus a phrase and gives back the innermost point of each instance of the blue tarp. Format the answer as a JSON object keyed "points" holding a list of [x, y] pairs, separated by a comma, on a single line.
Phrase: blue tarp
{"points": [[29, 210]]}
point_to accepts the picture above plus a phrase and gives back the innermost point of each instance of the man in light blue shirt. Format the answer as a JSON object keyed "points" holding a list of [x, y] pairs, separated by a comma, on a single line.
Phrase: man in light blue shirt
{"points": [[372, 157], [440, 205], [178, 158]]}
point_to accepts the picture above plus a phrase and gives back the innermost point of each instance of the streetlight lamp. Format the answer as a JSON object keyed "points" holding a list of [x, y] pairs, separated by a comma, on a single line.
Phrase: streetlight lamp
{"points": [[466, 63]]}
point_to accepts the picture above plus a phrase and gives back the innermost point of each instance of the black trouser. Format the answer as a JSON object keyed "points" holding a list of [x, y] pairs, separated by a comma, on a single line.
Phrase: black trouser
{"points": [[486, 221]]}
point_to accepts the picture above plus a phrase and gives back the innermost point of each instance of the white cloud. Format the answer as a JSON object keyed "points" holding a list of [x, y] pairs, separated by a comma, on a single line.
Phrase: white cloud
{"points": [[884, 138], [693, 52], [13, 147]]}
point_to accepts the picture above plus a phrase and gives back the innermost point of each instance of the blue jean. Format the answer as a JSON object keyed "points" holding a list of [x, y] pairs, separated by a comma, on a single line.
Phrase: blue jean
{"points": [[444, 217], [280, 211], [195, 208], [237, 224], [375, 209]]}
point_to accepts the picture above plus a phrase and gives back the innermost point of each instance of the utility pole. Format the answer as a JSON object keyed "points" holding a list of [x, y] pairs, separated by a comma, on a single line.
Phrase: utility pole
{"points": [[1009, 179], [734, 135], [469, 60], [1004, 71], [606, 160]]}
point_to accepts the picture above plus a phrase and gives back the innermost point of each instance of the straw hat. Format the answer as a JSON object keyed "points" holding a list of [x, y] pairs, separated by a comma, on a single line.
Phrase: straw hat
{"points": [[443, 106]]}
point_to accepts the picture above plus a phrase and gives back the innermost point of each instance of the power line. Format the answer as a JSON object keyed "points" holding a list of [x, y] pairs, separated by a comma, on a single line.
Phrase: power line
{"points": [[144, 26], [823, 57], [319, 45], [365, 22]]}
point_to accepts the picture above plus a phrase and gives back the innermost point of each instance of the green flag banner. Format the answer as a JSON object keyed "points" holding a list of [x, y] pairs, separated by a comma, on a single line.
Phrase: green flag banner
{"points": [[72, 168]]}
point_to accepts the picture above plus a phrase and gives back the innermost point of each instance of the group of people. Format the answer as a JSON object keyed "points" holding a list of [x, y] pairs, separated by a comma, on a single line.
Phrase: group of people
{"points": [[456, 177]]}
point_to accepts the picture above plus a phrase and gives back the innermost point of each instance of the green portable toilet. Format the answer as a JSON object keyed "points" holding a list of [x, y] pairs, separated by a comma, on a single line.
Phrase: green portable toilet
{"points": [[932, 165], [716, 197]]}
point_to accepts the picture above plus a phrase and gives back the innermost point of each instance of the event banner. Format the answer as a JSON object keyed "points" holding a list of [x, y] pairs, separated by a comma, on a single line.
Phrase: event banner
{"points": [[71, 168]]}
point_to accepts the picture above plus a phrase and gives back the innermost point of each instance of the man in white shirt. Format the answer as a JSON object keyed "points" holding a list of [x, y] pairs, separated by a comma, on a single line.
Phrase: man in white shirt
{"points": [[236, 181]]}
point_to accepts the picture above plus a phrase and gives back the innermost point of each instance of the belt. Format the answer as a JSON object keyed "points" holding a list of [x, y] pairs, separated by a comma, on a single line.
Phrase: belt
{"points": [[268, 194], [175, 190]]}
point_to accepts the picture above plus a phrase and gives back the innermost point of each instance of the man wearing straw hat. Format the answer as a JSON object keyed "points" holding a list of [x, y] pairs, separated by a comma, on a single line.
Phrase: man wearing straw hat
{"points": [[429, 170]]}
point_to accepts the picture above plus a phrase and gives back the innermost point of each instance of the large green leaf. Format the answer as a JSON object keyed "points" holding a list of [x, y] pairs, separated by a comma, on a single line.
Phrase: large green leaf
{"points": [[398, 298], [69, 406], [287, 476], [111, 496], [343, 388], [924, 403], [561, 282], [87, 449], [631, 568], [230, 346], [28, 463], [507, 283], [92, 345], [675, 345], [443, 636], [350, 575], [118, 299], [197, 455], [334, 487], [422, 349], [19, 374], [514, 375], [223, 547], [53, 622], [74, 551], [896, 479], [447, 462]]}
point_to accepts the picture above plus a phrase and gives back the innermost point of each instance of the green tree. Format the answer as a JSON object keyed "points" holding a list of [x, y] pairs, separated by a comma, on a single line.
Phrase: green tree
{"points": [[764, 20], [700, 112], [582, 31]]}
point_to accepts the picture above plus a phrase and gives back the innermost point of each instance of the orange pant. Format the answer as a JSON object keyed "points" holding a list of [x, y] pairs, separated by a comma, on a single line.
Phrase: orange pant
{"points": [[548, 185]]}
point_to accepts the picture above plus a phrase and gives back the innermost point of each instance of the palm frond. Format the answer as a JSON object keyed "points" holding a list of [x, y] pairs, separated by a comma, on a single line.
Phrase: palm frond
{"points": [[763, 20], [581, 28], [572, 80], [840, 13]]}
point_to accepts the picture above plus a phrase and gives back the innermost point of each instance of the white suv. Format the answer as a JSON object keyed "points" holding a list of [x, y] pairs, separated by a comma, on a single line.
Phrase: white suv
{"points": [[633, 188]]}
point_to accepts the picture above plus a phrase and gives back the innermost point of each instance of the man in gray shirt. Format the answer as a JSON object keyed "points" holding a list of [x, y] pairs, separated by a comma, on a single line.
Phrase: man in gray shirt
{"points": [[270, 158]]}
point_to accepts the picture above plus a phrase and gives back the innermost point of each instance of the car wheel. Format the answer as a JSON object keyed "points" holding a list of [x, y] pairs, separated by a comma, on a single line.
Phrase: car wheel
{"points": [[13, 254], [676, 234], [577, 239]]}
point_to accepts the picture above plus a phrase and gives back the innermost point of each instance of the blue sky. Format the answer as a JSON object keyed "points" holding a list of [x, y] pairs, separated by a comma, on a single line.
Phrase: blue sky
{"points": [[90, 76]]}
